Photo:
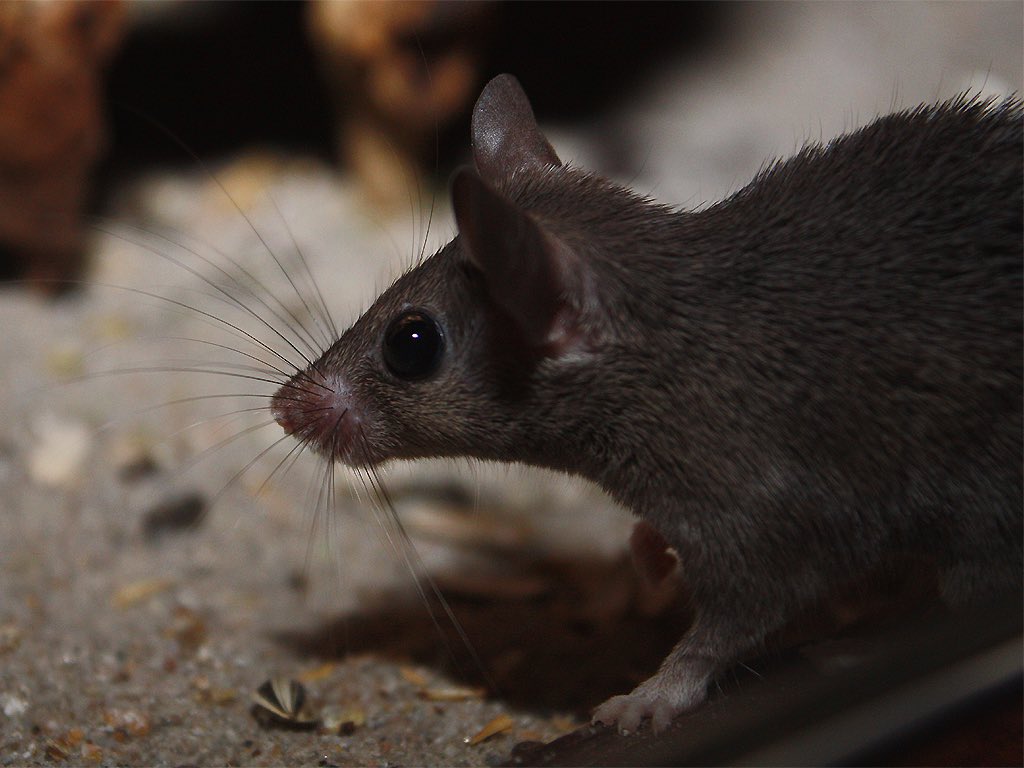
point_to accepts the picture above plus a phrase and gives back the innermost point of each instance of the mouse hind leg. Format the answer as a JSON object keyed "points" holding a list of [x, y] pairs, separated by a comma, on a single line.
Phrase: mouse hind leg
{"points": [[720, 636], [680, 684]]}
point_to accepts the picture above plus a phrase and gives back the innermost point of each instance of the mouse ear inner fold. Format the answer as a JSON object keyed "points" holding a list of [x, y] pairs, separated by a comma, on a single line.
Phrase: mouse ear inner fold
{"points": [[504, 132], [526, 270]]}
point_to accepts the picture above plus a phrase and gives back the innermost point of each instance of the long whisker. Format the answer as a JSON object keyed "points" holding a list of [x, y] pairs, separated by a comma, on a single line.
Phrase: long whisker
{"points": [[194, 460], [180, 401], [169, 369], [294, 326], [191, 309], [418, 569], [322, 309], [297, 449], [437, 151], [220, 185], [264, 366], [231, 297], [209, 420], [235, 477], [320, 512], [267, 366]]}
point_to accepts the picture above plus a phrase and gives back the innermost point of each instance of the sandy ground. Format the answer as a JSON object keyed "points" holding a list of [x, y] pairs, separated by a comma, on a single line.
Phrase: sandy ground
{"points": [[132, 634]]}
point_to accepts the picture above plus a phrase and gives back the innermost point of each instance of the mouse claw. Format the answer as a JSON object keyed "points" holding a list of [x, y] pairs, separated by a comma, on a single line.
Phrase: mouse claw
{"points": [[679, 686], [628, 711]]}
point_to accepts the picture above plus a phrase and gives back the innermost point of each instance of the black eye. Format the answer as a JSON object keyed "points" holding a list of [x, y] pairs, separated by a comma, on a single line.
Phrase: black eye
{"points": [[413, 345]]}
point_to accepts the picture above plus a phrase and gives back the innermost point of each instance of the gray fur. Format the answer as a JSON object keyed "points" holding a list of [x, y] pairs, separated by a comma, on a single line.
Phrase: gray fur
{"points": [[792, 386]]}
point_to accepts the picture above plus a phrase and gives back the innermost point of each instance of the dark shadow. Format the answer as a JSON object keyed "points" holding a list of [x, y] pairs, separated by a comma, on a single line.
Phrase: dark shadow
{"points": [[236, 74], [222, 76], [576, 59], [541, 653]]}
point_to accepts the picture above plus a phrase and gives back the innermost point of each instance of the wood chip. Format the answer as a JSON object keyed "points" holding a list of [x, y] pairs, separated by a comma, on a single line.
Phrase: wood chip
{"points": [[500, 724], [316, 674], [91, 753], [138, 591], [453, 693], [56, 751], [130, 722], [413, 676]]}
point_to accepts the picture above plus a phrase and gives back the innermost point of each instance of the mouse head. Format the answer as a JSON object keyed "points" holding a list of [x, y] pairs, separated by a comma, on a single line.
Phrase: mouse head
{"points": [[482, 350]]}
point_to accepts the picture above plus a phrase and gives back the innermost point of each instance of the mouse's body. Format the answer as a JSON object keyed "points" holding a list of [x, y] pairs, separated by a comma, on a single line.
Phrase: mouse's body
{"points": [[792, 386]]}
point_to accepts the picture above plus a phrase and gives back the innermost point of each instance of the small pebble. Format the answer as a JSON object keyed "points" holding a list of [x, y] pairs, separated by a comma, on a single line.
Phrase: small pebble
{"points": [[64, 361], [10, 637], [188, 628], [59, 452], [132, 458], [13, 705], [342, 720], [174, 514]]}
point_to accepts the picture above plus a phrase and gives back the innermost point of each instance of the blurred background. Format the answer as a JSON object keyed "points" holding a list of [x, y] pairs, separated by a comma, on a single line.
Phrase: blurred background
{"points": [[168, 167], [94, 93]]}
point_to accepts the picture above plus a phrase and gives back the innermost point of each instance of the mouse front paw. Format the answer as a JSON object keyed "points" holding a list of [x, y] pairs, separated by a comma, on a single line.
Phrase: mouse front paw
{"points": [[629, 710]]}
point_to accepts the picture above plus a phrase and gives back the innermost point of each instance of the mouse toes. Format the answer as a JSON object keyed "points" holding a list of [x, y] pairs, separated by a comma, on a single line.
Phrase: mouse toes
{"points": [[680, 685], [624, 711], [629, 710]]}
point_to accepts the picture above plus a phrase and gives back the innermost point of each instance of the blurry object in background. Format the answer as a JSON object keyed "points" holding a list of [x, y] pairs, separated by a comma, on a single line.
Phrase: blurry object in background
{"points": [[397, 72], [51, 130]]}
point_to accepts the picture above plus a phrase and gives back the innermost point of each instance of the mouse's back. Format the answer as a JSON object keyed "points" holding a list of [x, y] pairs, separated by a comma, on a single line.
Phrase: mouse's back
{"points": [[871, 294]]}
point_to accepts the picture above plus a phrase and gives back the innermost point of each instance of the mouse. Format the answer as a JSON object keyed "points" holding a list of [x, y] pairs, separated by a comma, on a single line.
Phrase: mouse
{"points": [[787, 388]]}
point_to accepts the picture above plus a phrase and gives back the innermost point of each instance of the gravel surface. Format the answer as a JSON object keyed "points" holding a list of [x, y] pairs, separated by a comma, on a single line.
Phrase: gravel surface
{"points": [[148, 585]]}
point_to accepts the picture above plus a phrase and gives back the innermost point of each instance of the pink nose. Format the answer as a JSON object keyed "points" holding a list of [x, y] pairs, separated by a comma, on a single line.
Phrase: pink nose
{"points": [[283, 416], [317, 412]]}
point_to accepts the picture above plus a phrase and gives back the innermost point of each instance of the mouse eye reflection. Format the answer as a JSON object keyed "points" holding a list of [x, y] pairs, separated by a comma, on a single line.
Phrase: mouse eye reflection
{"points": [[413, 345]]}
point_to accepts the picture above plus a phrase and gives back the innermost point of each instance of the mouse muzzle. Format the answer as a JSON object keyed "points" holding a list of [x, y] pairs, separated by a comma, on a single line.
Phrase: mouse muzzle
{"points": [[318, 411]]}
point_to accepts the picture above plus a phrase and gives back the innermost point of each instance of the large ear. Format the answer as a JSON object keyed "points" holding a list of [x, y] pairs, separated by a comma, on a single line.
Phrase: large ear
{"points": [[505, 133], [529, 274]]}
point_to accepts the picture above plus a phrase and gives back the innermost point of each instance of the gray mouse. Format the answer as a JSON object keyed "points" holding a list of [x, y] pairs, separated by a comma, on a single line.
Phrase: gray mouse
{"points": [[791, 387]]}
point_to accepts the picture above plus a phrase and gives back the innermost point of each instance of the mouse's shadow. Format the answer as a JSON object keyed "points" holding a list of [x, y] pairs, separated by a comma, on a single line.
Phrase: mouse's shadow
{"points": [[583, 638]]}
